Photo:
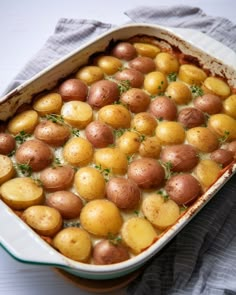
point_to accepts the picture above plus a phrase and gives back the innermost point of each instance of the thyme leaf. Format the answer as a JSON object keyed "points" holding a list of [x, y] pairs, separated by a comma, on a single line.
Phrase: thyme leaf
{"points": [[196, 90], [224, 138], [123, 86], [25, 169], [21, 137], [172, 77]]}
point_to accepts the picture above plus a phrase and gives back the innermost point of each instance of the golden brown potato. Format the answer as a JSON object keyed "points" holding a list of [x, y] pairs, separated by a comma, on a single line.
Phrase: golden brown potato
{"points": [[229, 106], [67, 203], [109, 64], [159, 212], [138, 234], [145, 49], [52, 133], [48, 104], [44, 220], [74, 243], [144, 123], [107, 252], [57, 178], [78, 152], [101, 218], [21, 192], [223, 126], [25, 121], [170, 133], [123, 192], [7, 170], [90, 74], [89, 183], [167, 63], [191, 74], [150, 147], [112, 159], [77, 113], [216, 86], [73, 89], [155, 83], [136, 100], [202, 139], [34, 153], [117, 116], [179, 92], [129, 142]]}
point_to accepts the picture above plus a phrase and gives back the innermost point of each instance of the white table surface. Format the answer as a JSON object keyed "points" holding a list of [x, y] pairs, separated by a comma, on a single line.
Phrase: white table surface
{"points": [[24, 27]]}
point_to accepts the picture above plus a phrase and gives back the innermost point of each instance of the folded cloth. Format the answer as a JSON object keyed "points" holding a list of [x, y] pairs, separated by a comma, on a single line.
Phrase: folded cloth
{"points": [[201, 259]]}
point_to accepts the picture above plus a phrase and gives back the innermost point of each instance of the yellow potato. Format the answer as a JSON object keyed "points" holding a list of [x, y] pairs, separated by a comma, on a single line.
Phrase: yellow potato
{"points": [[129, 142], [191, 74], [90, 74], [138, 234], [73, 242], [159, 212], [77, 113], [7, 170], [21, 193], [145, 49], [170, 133], [109, 64], [25, 121], [150, 147], [144, 123], [179, 92], [223, 126], [117, 116], [207, 172], [229, 106], [48, 104], [78, 151], [202, 138], [46, 221], [113, 159], [167, 63], [216, 86], [155, 82], [101, 218], [89, 183]]}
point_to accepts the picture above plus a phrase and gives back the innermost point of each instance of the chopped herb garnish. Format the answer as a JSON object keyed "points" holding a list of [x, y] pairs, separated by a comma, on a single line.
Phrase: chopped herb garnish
{"points": [[75, 132], [105, 172], [71, 224], [24, 169], [142, 137], [183, 208], [123, 86], [168, 166], [224, 138], [56, 162], [172, 77], [115, 240], [37, 181], [21, 137], [136, 212], [12, 153], [119, 132], [55, 118], [196, 90]]}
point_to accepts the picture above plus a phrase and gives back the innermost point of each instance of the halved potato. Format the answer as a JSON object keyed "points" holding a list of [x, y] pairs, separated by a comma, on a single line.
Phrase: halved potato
{"points": [[7, 170]]}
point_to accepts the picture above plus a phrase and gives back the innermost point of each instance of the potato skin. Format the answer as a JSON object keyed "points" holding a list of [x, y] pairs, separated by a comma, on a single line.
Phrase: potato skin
{"points": [[163, 108], [123, 192], [25, 121], [7, 143], [142, 64], [68, 204], [117, 116], [52, 133], [183, 188], [209, 103], [222, 157], [150, 147], [35, 153], [146, 173], [57, 178], [73, 89], [7, 170], [134, 77], [191, 117], [106, 252], [183, 157], [124, 50], [136, 100], [144, 123], [99, 134], [102, 93], [90, 74]]}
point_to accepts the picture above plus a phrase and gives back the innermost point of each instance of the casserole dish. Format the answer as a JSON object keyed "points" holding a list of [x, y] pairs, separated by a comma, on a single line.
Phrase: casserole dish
{"points": [[21, 241]]}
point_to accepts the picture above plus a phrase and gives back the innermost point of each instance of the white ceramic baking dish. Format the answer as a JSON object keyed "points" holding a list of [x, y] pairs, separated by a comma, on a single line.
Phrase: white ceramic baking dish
{"points": [[22, 242]]}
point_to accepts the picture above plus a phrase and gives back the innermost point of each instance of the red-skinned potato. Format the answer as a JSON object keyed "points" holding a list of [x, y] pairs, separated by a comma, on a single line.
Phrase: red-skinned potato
{"points": [[134, 77], [123, 192], [124, 50], [52, 133], [103, 92], [182, 157], [232, 147], [73, 89], [146, 173], [222, 157], [183, 188], [57, 178], [191, 117], [7, 143], [209, 103], [99, 134], [67, 203], [143, 64], [164, 108], [107, 252], [34, 153], [136, 99]]}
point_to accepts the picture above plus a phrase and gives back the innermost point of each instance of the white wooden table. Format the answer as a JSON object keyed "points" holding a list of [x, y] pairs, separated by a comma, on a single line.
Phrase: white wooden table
{"points": [[24, 27]]}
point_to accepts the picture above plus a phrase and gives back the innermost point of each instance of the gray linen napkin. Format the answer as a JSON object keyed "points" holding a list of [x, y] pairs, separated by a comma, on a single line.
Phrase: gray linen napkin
{"points": [[202, 258]]}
